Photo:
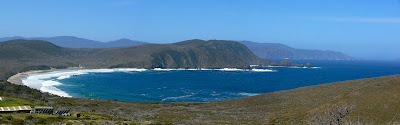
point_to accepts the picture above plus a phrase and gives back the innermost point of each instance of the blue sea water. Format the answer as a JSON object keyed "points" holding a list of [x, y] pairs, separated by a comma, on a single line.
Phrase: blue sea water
{"points": [[207, 86]]}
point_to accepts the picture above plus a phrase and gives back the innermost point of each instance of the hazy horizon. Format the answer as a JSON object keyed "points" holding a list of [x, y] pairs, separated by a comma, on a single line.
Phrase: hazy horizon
{"points": [[364, 29]]}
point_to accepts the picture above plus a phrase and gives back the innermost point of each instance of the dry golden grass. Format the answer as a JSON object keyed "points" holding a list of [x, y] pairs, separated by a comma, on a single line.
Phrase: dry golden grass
{"points": [[374, 100]]}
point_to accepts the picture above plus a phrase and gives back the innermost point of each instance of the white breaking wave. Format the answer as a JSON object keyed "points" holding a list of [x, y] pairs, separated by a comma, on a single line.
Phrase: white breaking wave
{"points": [[38, 81], [248, 94], [276, 66], [64, 77], [222, 69], [205, 69], [230, 69], [263, 70], [49, 86], [160, 69], [47, 82], [179, 97], [68, 76], [306, 67]]}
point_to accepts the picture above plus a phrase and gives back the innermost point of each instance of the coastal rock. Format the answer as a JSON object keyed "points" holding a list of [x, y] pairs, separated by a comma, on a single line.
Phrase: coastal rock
{"points": [[288, 64], [309, 65]]}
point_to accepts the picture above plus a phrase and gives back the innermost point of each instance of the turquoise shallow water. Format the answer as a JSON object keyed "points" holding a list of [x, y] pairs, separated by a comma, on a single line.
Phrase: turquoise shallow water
{"points": [[207, 86]]}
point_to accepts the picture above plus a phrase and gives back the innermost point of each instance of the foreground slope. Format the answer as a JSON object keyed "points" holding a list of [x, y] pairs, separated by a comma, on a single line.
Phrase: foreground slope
{"points": [[367, 101], [364, 101]]}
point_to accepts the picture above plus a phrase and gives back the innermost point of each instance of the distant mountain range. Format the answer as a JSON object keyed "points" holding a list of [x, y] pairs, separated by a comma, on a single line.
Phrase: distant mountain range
{"points": [[262, 50], [280, 51], [76, 42]]}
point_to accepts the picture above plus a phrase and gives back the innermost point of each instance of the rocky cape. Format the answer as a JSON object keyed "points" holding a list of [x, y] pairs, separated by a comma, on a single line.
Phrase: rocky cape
{"points": [[281, 51]]}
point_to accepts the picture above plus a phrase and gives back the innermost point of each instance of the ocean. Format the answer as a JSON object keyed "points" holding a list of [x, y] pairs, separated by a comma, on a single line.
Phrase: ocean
{"points": [[138, 85]]}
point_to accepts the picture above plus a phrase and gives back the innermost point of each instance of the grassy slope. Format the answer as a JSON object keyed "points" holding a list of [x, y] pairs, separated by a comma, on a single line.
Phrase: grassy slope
{"points": [[15, 102], [375, 100]]}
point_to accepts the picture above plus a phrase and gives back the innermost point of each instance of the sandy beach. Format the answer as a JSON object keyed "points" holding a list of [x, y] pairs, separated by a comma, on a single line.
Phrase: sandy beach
{"points": [[17, 78]]}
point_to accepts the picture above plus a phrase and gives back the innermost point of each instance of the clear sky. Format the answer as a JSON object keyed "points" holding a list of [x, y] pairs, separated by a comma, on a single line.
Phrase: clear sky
{"points": [[362, 28]]}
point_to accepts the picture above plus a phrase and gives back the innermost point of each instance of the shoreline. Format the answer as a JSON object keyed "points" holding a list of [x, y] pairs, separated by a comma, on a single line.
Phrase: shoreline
{"points": [[17, 78]]}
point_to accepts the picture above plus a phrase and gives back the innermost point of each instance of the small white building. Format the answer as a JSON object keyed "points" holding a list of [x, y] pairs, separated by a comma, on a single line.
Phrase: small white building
{"points": [[2, 98]]}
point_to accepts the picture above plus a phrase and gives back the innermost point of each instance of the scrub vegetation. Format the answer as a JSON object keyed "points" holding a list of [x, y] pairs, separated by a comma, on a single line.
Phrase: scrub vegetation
{"points": [[364, 101]]}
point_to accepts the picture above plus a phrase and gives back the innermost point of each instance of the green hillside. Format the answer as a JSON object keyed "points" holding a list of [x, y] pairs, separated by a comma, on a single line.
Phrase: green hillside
{"points": [[206, 54], [22, 55]]}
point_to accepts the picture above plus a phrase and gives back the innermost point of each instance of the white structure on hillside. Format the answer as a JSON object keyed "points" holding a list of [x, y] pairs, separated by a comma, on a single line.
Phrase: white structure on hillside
{"points": [[2, 99]]}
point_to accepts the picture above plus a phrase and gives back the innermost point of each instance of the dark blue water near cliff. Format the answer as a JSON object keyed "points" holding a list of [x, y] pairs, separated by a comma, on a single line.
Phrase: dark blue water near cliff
{"points": [[206, 86]]}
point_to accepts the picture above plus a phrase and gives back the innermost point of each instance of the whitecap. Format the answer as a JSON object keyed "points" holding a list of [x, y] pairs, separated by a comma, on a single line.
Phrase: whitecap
{"points": [[160, 69], [263, 70], [205, 69], [248, 94], [230, 69], [64, 77], [215, 94], [295, 67], [179, 97]]}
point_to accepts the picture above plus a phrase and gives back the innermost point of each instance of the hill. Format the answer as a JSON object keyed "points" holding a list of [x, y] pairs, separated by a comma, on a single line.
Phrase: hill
{"points": [[76, 42], [71, 42], [263, 50], [280, 51], [10, 38], [122, 43], [186, 54], [209, 54]]}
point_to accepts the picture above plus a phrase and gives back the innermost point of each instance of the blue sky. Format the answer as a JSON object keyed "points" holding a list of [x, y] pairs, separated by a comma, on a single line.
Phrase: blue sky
{"points": [[368, 29]]}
